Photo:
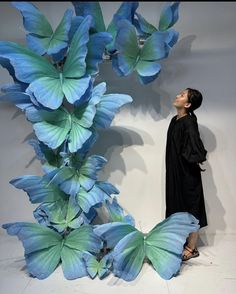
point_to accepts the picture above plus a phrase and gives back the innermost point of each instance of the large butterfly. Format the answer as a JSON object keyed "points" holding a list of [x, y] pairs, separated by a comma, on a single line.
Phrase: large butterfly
{"points": [[144, 59], [162, 246], [41, 38], [168, 17], [125, 11], [45, 248], [49, 84]]}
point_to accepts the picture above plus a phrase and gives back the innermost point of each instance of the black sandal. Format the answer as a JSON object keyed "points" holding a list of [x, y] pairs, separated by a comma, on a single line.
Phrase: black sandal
{"points": [[194, 253]]}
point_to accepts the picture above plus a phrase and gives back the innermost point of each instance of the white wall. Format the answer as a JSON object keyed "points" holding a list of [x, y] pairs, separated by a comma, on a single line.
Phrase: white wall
{"points": [[204, 58]]}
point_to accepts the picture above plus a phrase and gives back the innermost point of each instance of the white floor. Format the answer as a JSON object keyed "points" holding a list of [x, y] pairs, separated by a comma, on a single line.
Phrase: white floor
{"points": [[213, 272]]}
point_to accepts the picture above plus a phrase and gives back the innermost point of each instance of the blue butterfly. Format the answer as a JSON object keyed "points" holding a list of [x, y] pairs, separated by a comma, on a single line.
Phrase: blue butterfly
{"points": [[163, 245], [48, 84], [144, 59], [45, 248], [95, 267], [41, 38]]}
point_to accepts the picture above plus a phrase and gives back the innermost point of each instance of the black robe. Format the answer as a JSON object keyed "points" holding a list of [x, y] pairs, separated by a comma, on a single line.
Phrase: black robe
{"points": [[184, 152]]}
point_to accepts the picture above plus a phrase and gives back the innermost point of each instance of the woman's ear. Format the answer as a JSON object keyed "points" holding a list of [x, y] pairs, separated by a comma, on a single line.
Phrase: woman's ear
{"points": [[187, 105]]}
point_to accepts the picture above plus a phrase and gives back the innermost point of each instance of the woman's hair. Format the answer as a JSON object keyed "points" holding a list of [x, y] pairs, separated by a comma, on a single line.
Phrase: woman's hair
{"points": [[195, 98]]}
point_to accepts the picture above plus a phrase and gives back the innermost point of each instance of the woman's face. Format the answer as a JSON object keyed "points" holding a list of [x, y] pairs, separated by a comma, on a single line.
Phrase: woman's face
{"points": [[181, 100]]}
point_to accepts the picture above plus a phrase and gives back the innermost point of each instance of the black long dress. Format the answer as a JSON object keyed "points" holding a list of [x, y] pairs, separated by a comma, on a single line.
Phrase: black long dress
{"points": [[184, 152]]}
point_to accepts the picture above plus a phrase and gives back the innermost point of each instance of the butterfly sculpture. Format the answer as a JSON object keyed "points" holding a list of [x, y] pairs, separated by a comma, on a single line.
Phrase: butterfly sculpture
{"points": [[162, 246], [144, 59], [54, 85], [41, 37], [46, 248], [49, 84], [125, 11]]}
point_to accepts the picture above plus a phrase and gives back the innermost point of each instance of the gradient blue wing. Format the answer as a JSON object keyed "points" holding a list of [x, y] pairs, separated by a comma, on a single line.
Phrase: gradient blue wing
{"points": [[91, 8], [127, 45], [113, 232], [66, 178], [21, 100], [87, 199], [75, 66], [116, 213], [108, 106], [35, 66], [125, 11], [91, 264], [75, 23], [169, 15], [164, 243], [128, 256], [96, 47], [42, 247], [79, 241], [143, 26], [38, 188], [82, 119], [53, 127]]}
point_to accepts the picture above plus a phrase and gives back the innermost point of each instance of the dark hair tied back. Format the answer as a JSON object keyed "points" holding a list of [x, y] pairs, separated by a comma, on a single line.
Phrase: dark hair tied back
{"points": [[195, 98]]}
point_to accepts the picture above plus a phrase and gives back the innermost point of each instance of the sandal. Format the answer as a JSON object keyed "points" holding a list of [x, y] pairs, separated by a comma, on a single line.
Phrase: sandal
{"points": [[194, 253]]}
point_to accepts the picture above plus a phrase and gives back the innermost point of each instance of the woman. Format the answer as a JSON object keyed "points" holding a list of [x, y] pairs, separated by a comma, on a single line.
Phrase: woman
{"points": [[184, 152]]}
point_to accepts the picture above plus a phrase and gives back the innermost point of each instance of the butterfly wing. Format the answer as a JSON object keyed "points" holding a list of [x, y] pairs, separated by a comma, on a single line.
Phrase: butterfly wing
{"points": [[41, 38], [76, 243], [128, 256], [42, 247], [116, 213], [89, 169], [105, 265], [127, 45], [53, 127], [39, 189], [96, 47], [91, 8], [164, 243], [108, 106], [169, 15], [91, 264], [82, 120], [143, 26], [113, 232]]}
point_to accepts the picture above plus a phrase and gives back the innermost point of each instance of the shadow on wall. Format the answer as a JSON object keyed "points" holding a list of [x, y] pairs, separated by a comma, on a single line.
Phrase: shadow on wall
{"points": [[112, 142], [214, 208], [154, 99]]}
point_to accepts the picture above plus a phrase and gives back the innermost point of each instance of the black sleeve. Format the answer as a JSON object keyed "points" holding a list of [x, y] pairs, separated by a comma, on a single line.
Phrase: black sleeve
{"points": [[193, 149]]}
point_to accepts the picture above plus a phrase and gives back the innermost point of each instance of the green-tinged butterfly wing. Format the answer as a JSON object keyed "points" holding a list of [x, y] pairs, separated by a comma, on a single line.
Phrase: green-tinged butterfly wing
{"points": [[42, 247], [41, 38], [169, 15], [113, 232], [164, 243], [91, 8], [38, 188], [54, 127], [127, 45], [128, 256], [78, 242]]}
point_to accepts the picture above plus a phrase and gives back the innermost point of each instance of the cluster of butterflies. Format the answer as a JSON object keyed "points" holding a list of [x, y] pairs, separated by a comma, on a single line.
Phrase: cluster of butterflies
{"points": [[80, 250], [54, 85]]}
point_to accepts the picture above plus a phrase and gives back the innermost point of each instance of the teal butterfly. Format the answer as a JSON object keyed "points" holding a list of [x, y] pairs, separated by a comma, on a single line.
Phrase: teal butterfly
{"points": [[144, 59], [162, 246], [41, 38], [98, 267], [45, 248], [125, 11], [168, 17], [49, 84]]}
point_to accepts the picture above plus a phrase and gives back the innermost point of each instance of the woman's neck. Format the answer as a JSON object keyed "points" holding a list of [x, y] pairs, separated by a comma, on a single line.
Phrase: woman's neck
{"points": [[181, 112]]}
